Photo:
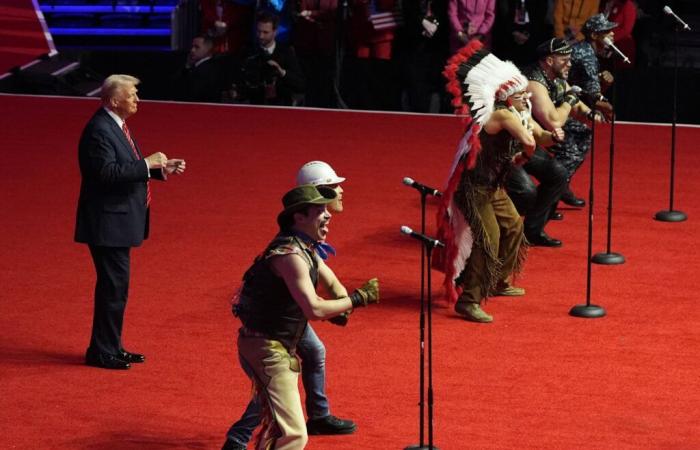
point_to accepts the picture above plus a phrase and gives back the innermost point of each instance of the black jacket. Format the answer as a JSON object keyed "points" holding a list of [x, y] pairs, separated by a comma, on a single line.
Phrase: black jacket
{"points": [[112, 208]]}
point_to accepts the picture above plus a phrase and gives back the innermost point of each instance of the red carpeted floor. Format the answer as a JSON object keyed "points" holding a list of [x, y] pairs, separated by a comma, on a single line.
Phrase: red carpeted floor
{"points": [[535, 378]]}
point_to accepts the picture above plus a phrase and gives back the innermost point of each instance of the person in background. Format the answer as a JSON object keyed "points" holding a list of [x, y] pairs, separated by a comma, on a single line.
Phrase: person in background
{"points": [[624, 13], [228, 23], [570, 15], [470, 19], [270, 73], [315, 43], [520, 27], [201, 79]]}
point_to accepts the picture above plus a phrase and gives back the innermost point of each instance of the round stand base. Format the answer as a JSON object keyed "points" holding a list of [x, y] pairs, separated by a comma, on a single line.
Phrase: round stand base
{"points": [[608, 258], [671, 216], [587, 311], [420, 447]]}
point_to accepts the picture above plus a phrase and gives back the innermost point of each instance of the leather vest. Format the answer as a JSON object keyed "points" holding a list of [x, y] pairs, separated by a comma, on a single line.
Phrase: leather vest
{"points": [[556, 87], [265, 304]]}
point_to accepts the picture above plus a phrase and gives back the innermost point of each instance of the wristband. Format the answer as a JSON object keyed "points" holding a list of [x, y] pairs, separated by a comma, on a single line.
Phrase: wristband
{"points": [[357, 299], [571, 99], [340, 320]]}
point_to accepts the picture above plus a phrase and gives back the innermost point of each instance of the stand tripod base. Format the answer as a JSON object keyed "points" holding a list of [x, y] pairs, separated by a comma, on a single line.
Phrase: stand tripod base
{"points": [[670, 216], [608, 258], [420, 447], [587, 311]]}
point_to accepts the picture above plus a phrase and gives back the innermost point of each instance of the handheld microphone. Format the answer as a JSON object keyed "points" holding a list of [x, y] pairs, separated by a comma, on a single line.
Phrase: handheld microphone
{"points": [[669, 12], [609, 43], [421, 237], [421, 187]]}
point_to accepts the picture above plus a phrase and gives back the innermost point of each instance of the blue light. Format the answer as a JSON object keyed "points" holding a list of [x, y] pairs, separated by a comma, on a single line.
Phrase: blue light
{"points": [[110, 31], [107, 9]]}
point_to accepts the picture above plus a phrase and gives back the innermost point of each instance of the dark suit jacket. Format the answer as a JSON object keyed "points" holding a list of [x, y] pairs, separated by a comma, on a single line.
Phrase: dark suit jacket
{"points": [[202, 83], [291, 84], [112, 205]]}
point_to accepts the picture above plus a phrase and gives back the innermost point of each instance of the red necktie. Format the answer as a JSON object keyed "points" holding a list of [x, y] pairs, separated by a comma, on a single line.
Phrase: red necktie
{"points": [[136, 154]]}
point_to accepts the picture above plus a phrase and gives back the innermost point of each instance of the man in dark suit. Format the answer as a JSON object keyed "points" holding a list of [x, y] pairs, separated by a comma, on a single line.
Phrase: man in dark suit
{"points": [[201, 79], [113, 212], [270, 73]]}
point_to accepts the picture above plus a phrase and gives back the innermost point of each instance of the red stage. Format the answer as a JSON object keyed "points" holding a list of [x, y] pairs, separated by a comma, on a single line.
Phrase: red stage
{"points": [[535, 378], [23, 34]]}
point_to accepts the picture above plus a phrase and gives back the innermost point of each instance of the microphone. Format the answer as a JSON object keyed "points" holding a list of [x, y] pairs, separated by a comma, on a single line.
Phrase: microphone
{"points": [[610, 44], [421, 237], [421, 187], [669, 12]]}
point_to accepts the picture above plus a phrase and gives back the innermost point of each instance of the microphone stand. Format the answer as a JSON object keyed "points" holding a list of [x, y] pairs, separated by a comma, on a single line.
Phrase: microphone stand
{"points": [[671, 215], [588, 310], [609, 257], [341, 22], [426, 250]]}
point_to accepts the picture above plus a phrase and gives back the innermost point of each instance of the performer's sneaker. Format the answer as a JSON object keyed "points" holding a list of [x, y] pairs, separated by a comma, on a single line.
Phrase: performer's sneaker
{"points": [[473, 312], [505, 289], [330, 425]]}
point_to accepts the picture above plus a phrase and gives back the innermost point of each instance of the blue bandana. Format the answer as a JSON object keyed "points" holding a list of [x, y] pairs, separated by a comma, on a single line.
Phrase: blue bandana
{"points": [[322, 249]]}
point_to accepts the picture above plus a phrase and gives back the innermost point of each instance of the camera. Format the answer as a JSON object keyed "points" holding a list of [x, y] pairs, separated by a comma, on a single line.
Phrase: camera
{"points": [[256, 71]]}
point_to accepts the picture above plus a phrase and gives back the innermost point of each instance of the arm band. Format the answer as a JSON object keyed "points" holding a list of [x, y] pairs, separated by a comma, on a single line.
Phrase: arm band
{"points": [[357, 299], [571, 100]]}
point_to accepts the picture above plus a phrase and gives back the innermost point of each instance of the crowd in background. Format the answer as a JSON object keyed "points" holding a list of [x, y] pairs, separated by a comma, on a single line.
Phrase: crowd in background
{"points": [[368, 54]]}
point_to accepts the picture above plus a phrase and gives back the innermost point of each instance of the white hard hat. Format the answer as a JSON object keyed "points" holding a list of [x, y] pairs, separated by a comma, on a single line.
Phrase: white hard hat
{"points": [[317, 173]]}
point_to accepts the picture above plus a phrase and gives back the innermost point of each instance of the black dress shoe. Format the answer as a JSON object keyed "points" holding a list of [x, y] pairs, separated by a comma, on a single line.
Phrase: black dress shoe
{"points": [[570, 199], [131, 357], [542, 240], [104, 361], [556, 215], [330, 425]]}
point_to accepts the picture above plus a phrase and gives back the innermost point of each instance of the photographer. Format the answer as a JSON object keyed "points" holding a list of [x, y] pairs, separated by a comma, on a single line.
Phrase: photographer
{"points": [[270, 73]]}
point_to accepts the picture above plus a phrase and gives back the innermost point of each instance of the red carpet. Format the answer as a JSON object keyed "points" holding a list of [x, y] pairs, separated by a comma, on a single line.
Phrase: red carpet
{"points": [[22, 37], [535, 378]]}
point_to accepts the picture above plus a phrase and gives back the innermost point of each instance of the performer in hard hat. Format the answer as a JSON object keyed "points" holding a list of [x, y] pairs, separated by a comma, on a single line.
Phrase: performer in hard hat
{"points": [[310, 348]]}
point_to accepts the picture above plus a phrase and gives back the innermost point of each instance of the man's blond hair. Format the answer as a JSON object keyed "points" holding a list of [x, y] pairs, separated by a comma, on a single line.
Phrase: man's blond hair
{"points": [[113, 83]]}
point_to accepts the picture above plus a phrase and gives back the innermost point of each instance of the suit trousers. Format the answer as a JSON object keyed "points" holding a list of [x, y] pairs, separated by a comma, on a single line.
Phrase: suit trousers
{"points": [[275, 374], [111, 292], [503, 230]]}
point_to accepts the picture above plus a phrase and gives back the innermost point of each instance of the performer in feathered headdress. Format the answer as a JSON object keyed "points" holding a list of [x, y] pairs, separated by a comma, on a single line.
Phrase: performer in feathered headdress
{"points": [[477, 220]]}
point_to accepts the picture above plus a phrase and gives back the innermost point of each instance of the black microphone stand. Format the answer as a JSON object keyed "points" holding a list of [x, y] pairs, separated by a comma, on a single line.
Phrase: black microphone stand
{"points": [[588, 310], [609, 257], [671, 215], [341, 23], [425, 298]]}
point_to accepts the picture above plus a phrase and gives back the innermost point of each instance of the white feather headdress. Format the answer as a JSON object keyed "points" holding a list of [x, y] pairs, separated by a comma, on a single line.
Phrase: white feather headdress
{"points": [[477, 80]]}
